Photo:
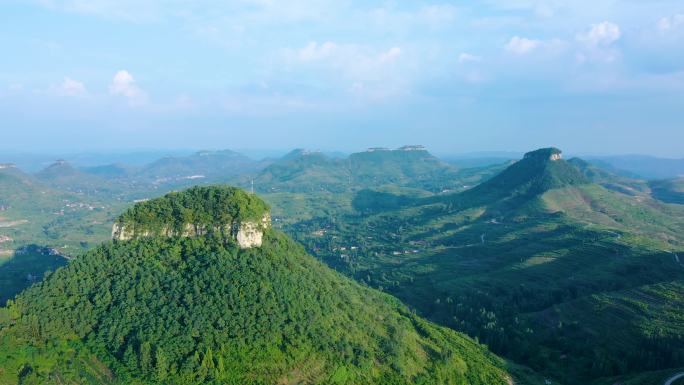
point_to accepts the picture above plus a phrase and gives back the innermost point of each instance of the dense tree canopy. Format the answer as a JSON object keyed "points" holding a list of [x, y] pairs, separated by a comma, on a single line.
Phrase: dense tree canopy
{"points": [[205, 207], [199, 310]]}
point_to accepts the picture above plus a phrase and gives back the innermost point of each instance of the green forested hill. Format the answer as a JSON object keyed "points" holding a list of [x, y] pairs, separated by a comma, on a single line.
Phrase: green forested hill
{"points": [[409, 166], [62, 176], [576, 280], [201, 310], [202, 166], [302, 171]]}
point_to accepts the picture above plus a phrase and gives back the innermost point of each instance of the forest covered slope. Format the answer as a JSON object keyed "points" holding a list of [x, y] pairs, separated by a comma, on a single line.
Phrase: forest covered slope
{"points": [[200, 310]]}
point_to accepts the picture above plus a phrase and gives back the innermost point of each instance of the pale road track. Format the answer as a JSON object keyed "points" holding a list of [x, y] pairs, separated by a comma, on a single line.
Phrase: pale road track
{"points": [[674, 378]]}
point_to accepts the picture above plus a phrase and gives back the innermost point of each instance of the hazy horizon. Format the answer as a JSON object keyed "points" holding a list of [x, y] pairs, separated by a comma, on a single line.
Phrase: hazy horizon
{"points": [[263, 153]]}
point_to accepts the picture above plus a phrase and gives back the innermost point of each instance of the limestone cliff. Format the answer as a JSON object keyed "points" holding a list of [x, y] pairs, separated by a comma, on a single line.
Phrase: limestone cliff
{"points": [[224, 211], [247, 234]]}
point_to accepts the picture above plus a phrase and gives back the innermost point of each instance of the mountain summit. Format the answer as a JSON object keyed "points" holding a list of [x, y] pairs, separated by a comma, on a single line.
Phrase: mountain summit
{"points": [[169, 308], [537, 172], [542, 154], [225, 211]]}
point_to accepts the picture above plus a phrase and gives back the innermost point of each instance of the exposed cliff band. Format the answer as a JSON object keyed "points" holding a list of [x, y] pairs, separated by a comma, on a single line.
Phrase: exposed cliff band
{"points": [[224, 211]]}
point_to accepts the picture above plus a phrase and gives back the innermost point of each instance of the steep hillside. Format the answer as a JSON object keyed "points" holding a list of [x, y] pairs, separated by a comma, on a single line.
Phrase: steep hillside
{"points": [[669, 191], [61, 175], [35, 219], [611, 180], [167, 309], [538, 172], [537, 262]]}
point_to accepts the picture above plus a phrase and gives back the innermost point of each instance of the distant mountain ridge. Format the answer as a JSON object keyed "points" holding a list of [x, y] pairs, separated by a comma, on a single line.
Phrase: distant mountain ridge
{"points": [[62, 175], [642, 166], [302, 170], [209, 165]]}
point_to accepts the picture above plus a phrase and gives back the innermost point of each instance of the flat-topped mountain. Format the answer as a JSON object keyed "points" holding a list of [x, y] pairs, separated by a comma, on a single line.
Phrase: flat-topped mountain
{"points": [[407, 164], [225, 211], [537, 172], [200, 310]]}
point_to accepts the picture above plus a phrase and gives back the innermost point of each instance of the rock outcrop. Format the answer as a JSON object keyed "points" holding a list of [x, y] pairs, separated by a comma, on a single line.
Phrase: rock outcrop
{"points": [[223, 211], [247, 234], [550, 153], [250, 234]]}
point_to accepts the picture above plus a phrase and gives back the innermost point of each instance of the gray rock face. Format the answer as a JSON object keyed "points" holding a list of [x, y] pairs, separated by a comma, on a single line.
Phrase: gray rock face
{"points": [[250, 234], [542, 154], [247, 234]]}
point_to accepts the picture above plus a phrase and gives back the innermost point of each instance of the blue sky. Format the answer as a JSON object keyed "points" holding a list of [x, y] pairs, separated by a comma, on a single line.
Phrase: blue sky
{"points": [[588, 76]]}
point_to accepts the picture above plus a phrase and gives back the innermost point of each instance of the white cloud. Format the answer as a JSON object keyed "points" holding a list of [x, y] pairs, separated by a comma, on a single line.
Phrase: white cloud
{"points": [[671, 23], [544, 10], [439, 14], [123, 84], [130, 10], [602, 34], [389, 56], [313, 51], [353, 61], [465, 57], [71, 87], [475, 77], [391, 17], [183, 101], [597, 44], [521, 46]]}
